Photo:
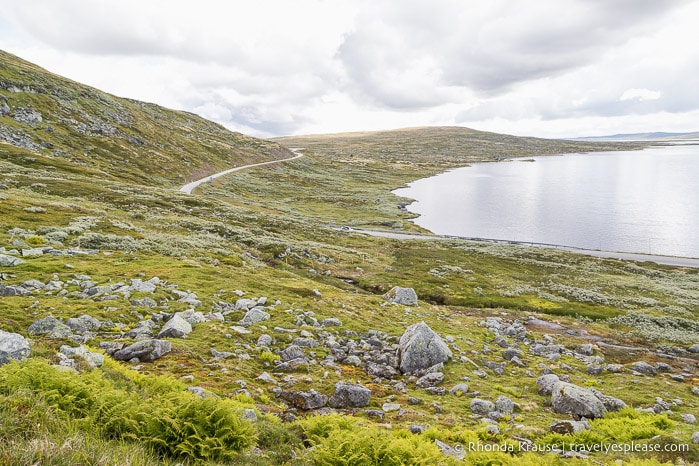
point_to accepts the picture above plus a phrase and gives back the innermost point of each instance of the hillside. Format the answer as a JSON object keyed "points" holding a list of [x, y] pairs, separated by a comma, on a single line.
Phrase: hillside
{"points": [[67, 124], [239, 325]]}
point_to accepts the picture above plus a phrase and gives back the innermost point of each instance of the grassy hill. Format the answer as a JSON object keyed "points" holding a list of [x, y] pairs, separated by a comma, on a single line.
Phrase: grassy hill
{"points": [[67, 124], [112, 256]]}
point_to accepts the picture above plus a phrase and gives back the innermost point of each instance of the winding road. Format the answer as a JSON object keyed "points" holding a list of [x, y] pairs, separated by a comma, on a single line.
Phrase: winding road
{"points": [[189, 187]]}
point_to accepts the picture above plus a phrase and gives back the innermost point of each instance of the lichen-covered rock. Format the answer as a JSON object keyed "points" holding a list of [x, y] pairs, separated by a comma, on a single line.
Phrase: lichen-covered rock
{"points": [[545, 383], [254, 315], [643, 367], [145, 350], [176, 327], [482, 407], [567, 398], [305, 400], [569, 427], [51, 327], [83, 324], [399, 295], [420, 348], [350, 395], [430, 380], [13, 346], [70, 352], [10, 261]]}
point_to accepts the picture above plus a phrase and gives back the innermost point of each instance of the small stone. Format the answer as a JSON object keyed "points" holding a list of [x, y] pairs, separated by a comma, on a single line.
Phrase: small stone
{"points": [[430, 380], [689, 418], [388, 407], [414, 401], [415, 429], [459, 389], [482, 407]]}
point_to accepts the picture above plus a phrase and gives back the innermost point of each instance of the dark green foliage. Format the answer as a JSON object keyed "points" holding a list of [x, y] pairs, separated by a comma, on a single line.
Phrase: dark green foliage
{"points": [[155, 412]]}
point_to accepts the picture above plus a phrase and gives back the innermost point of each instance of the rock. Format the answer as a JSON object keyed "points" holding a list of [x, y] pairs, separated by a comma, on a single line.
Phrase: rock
{"points": [[331, 322], [93, 359], [695, 437], [51, 327], [609, 402], [239, 329], [292, 352], [176, 327], [305, 342], [145, 302], [192, 316], [145, 350], [421, 348], [643, 367], [404, 296], [586, 349], [614, 368], [199, 391], [32, 252], [265, 377], [83, 324], [504, 405], [430, 380], [694, 348], [245, 304], [414, 401], [10, 261], [689, 418], [253, 316], [249, 414], [264, 341], [12, 290], [349, 395], [140, 286], [481, 407], [569, 427], [662, 367], [13, 346], [377, 413], [437, 391], [388, 407], [510, 353], [352, 361], [545, 383], [218, 355], [695, 390], [305, 400], [459, 389], [567, 398], [416, 429], [450, 451], [111, 347]]}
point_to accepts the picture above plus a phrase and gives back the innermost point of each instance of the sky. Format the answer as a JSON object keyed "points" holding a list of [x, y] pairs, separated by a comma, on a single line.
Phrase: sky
{"points": [[548, 68]]}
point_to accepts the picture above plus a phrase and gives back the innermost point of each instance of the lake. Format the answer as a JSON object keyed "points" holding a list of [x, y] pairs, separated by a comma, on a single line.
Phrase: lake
{"points": [[633, 201]]}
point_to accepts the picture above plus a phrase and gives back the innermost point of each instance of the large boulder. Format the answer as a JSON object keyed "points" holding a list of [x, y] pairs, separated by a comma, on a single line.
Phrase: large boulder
{"points": [[9, 261], [51, 327], [145, 350], [176, 327], [420, 348], [579, 402], [349, 395], [399, 295], [305, 400], [13, 346]]}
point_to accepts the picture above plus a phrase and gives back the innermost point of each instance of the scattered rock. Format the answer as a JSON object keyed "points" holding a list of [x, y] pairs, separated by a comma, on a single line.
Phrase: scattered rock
{"points": [[567, 398], [265, 377], [482, 407], [643, 367], [449, 451], [176, 327], [10, 261], [404, 296], [13, 346], [430, 380], [264, 341], [504, 405], [254, 316], [569, 427], [459, 389], [305, 400], [586, 349], [145, 351], [83, 324], [416, 429], [331, 322], [689, 418], [695, 437], [292, 352], [69, 352], [545, 383], [349, 395], [421, 348], [694, 348], [51, 327]]}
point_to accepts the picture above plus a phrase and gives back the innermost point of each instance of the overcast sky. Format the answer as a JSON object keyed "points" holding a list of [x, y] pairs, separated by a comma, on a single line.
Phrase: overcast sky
{"points": [[551, 68]]}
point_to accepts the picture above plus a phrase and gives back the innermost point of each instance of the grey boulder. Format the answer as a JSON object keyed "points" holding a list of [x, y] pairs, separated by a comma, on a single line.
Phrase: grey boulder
{"points": [[399, 295], [567, 398], [13, 346], [305, 400], [254, 315], [349, 395], [145, 350], [176, 327], [9, 261], [420, 348], [51, 327]]}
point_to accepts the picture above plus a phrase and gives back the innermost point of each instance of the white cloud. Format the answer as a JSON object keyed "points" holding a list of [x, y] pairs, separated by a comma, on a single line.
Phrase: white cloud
{"points": [[640, 95], [276, 67]]}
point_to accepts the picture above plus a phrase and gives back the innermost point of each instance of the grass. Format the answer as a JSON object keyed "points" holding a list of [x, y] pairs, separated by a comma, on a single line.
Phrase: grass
{"points": [[269, 231]]}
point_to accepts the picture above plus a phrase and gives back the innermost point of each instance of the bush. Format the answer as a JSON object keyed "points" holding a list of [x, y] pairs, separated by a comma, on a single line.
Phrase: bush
{"points": [[153, 411]]}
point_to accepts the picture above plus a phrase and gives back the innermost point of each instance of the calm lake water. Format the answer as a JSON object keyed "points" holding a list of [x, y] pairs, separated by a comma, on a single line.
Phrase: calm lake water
{"points": [[637, 201]]}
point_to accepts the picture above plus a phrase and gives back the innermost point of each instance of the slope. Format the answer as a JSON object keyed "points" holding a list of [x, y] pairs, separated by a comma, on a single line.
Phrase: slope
{"points": [[62, 121]]}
